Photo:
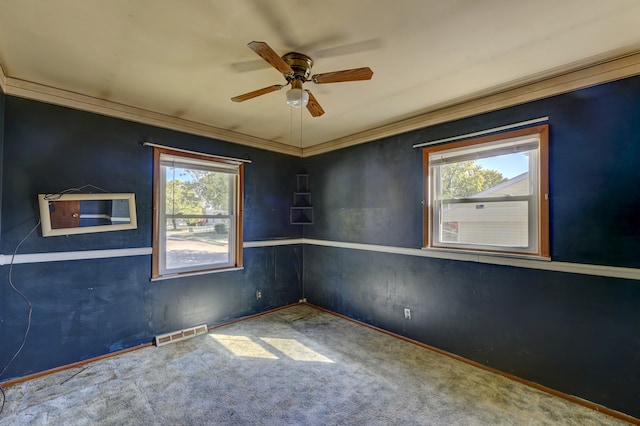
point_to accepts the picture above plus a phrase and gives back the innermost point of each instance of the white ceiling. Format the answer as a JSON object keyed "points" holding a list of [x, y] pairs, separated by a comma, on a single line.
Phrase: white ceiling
{"points": [[186, 59]]}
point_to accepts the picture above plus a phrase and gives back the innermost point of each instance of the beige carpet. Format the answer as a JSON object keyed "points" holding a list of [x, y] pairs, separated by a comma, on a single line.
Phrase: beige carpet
{"points": [[297, 366]]}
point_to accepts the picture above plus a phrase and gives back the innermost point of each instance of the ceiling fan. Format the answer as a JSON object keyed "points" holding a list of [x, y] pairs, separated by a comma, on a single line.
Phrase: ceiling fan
{"points": [[296, 68]]}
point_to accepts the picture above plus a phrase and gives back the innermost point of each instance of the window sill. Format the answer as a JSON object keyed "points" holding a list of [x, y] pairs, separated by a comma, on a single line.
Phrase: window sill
{"points": [[191, 274], [478, 255]]}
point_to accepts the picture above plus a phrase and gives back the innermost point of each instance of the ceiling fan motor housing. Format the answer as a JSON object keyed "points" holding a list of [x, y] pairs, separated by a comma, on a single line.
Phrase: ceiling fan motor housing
{"points": [[300, 64]]}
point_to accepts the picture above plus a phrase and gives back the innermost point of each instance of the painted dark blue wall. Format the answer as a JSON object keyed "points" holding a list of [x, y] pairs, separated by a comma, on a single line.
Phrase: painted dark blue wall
{"points": [[576, 333], [86, 308], [2, 97]]}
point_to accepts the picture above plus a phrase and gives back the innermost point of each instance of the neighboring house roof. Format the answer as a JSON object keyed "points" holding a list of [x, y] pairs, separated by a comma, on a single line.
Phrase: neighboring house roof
{"points": [[504, 211], [503, 186]]}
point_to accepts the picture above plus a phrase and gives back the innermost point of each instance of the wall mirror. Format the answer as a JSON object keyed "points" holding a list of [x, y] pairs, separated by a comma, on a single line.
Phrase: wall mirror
{"points": [[67, 214]]}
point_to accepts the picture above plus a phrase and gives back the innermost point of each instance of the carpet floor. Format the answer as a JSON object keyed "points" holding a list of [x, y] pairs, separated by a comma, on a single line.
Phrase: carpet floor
{"points": [[296, 366]]}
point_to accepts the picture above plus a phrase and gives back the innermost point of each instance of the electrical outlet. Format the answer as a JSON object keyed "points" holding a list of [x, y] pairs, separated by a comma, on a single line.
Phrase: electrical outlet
{"points": [[407, 313], [258, 294]]}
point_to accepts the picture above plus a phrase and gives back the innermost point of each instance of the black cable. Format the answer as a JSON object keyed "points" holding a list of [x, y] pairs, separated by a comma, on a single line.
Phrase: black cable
{"points": [[4, 398], [56, 195], [14, 288], [27, 301]]}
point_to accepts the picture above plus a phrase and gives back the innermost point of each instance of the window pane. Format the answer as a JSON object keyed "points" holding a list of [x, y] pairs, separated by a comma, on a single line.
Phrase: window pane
{"points": [[489, 193], [198, 215], [196, 192], [504, 223], [495, 176], [192, 243], [193, 238]]}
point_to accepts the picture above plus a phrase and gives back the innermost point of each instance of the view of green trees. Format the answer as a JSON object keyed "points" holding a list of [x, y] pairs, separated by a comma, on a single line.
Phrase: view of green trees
{"points": [[195, 192], [466, 178]]}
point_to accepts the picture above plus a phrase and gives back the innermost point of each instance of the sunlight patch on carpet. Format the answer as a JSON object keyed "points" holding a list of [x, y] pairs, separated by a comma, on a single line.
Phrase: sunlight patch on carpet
{"points": [[295, 350], [243, 346], [264, 348]]}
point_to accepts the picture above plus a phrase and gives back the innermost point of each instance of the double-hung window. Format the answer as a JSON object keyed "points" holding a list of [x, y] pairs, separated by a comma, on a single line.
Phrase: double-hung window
{"points": [[197, 213], [489, 193]]}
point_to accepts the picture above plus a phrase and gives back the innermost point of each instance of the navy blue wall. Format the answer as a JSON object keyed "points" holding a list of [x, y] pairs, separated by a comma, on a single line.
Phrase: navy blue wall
{"points": [[2, 97], [86, 308], [576, 333]]}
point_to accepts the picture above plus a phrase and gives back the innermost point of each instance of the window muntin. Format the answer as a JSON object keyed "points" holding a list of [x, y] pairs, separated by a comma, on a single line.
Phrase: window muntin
{"points": [[489, 193], [198, 214]]}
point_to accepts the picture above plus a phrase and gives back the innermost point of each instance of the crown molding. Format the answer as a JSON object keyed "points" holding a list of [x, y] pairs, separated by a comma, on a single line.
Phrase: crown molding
{"points": [[566, 79], [3, 79], [39, 92], [601, 72]]}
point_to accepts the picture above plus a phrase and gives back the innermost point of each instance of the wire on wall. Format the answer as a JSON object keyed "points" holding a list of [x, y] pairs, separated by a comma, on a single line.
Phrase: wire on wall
{"points": [[52, 196], [28, 303], [56, 195]]}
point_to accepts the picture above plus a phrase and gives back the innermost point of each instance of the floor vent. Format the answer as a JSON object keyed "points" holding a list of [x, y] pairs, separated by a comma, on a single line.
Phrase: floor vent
{"points": [[176, 336]]}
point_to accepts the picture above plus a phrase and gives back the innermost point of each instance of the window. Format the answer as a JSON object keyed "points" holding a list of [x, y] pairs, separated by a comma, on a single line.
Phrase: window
{"points": [[489, 193], [197, 213]]}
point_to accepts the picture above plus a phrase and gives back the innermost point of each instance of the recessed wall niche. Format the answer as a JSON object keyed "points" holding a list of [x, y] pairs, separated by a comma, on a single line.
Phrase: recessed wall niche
{"points": [[68, 214], [302, 210]]}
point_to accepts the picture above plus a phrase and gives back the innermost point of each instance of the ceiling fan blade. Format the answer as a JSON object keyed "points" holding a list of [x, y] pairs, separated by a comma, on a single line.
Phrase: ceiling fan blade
{"points": [[313, 106], [348, 49], [246, 66], [344, 75], [256, 93], [276, 18], [268, 54]]}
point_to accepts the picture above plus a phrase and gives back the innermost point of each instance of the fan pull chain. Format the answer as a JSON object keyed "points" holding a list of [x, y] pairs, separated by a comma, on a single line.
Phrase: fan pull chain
{"points": [[301, 131]]}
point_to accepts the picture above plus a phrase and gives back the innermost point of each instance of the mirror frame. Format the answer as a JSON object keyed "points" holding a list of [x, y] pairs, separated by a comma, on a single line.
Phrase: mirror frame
{"points": [[45, 218]]}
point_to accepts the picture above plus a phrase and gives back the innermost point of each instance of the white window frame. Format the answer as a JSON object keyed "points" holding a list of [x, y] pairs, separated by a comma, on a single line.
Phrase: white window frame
{"points": [[537, 200], [166, 157]]}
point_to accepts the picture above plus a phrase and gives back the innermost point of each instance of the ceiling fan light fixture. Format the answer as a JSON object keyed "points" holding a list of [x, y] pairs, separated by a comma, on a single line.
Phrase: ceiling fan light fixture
{"points": [[297, 98], [296, 68]]}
